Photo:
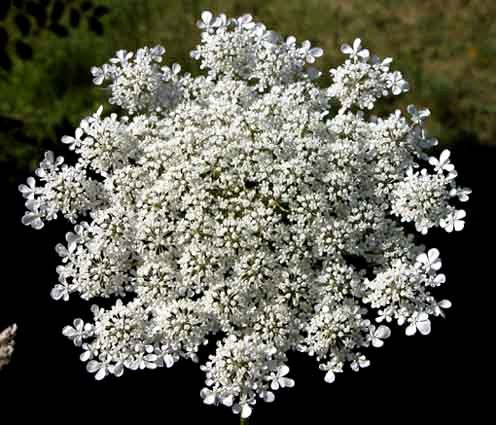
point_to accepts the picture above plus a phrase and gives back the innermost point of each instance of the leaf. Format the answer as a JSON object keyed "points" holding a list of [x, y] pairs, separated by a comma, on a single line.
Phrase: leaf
{"points": [[23, 24], [23, 50], [86, 5], [59, 30], [95, 26], [100, 11], [57, 11], [4, 37], [4, 9], [74, 18]]}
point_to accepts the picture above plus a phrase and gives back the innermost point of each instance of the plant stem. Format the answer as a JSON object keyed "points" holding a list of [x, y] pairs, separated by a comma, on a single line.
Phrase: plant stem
{"points": [[243, 421]]}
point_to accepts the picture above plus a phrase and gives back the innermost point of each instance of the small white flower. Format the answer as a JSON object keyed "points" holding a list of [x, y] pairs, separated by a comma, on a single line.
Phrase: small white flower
{"points": [[208, 396], [279, 378], [421, 322], [443, 164], [356, 51], [461, 193], [79, 332], [122, 57], [28, 191], [398, 84], [418, 116], [69, 140], [454, 221], [100, 369], [440, 306], [89, 352], [208, 22], [98, 75], [60, 291], [243, 409], [359, 363], [33, 219], [379, 334], [431, 260], [310, 52], [245, 21]]}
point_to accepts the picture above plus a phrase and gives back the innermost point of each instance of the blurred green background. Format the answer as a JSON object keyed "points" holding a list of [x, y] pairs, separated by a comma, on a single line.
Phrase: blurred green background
{"points": [[445, 49]]}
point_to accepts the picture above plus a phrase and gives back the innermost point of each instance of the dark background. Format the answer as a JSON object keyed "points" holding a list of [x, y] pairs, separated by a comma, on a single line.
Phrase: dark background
{"points": [[444, 376]]}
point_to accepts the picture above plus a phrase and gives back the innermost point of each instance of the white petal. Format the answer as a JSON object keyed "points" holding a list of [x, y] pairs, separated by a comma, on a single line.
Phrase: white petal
{"points": [[440, 279], [92, 366], [68, 140], [424, 327], [445, 304], [58, 291], [85, 356], [283, 370], [433, 161], [444, 156], [422, 316], [269, 396], [68, 331], [346, 49], [422, 258], [411, 330], [376, 342], [228, 401], [286, 382], [102, 373], [290, 40], [365, 54], [330, 377], [246, 411], [78, 324], [316, 52], [433, 254], [206, 16], [382, 332], [118, 369], [274, 385], [356, 44], [168, 360], [209, 399], [176, 69]]}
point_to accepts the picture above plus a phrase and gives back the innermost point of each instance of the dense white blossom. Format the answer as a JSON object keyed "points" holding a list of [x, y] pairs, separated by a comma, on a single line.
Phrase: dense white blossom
{"points": [[250, 206]]}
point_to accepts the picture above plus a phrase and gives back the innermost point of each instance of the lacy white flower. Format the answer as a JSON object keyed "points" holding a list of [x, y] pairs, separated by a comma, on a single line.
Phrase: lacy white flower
{"points": [[250, 206]]}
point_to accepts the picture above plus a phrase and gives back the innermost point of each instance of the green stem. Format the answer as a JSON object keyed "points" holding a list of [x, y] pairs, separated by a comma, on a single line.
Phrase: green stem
{"points": [[243, 421]]}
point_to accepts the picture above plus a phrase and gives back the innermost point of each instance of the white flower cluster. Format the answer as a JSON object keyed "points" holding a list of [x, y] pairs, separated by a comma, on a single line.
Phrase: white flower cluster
{"points": [[241, 205]]}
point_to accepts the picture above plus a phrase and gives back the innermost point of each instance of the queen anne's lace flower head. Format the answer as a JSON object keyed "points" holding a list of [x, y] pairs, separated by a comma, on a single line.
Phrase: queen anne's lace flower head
{"points": [[240, 205]]}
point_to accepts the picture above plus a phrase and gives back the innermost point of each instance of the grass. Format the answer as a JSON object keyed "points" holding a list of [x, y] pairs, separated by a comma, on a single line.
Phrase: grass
{"points": [[445, 49]]}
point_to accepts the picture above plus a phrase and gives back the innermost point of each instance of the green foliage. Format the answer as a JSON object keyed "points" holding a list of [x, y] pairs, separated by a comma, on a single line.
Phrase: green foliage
{"points": [[445, 49]]}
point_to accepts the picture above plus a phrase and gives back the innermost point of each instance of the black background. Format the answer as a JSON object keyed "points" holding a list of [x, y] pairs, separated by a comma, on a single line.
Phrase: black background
{"points": [[444, 376]]}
